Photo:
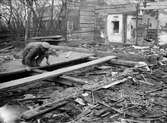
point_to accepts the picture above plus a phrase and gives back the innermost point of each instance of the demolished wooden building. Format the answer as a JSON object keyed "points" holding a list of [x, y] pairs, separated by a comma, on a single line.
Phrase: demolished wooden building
{"points": [[100, 21], [113, 21]]}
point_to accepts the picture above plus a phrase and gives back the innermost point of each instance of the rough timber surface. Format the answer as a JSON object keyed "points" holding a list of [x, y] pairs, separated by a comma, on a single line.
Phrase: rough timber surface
{"points": [[28, 80]]}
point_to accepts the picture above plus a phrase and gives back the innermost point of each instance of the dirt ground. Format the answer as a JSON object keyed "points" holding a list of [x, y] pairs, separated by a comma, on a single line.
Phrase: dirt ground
{"points": [[140, 98]]}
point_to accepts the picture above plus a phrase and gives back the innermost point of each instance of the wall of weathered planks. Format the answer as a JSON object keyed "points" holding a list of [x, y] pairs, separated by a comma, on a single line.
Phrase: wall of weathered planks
{"points": [[93, 19], [86, 24], [103, 10]]}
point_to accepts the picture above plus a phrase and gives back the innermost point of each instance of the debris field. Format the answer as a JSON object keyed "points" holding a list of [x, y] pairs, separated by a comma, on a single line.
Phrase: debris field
{"points": [[114, 91]]}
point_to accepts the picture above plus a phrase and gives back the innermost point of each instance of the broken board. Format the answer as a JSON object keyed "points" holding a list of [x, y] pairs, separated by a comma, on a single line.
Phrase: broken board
{"points": [[66, 95], [29, 80]]}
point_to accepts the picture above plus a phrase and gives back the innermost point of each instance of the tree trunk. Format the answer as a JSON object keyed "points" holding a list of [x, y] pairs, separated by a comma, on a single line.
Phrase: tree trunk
{"points": [[27, 25]]}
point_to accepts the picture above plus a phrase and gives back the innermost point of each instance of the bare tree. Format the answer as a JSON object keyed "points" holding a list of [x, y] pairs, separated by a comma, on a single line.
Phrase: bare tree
{"points": [[27, 17]]}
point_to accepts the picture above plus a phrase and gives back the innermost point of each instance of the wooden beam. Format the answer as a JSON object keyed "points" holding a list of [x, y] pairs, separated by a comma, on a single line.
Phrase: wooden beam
{"points": [[123, 62], [65, 77], [28, 80], [74, 79], [43, 109], [66, 95], [56, 63], [115, 83], [65, 48], [47, 37]]}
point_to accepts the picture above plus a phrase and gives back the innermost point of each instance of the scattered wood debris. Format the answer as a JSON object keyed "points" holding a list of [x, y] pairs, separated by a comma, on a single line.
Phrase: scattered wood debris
{"points": [[116, 90]]}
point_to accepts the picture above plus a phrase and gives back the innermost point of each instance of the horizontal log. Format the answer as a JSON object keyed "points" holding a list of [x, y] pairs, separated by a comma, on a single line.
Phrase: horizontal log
{"points": [[69, 78], [29, 80]]}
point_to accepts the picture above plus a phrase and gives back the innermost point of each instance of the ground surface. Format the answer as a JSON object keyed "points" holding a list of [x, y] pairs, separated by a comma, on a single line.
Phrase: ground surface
{"points": [[62, 57], [141, 98]]}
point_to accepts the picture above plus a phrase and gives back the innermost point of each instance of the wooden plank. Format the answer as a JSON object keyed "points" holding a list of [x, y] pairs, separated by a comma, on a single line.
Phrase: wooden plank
{"points": [[87, 16], [89, 34], [83, 25], [43, 109], [87, 13], [114, 11], [115, 83], [55, 63], [131, 6], [47, 37], [28, 115], [87, 23], [74, 79], [87, 8], [28, 80], [66, 94], [69, 78], [6, 48], [88, 29], [123, 62], [87, 20]]}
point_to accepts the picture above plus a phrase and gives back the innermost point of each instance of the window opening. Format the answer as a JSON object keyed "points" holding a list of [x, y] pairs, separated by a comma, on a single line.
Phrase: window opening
{"points": [[115, 26]]}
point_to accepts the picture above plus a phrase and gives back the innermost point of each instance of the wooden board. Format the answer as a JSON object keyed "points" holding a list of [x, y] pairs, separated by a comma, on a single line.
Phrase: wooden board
{"points": [[123, 62], [64, 59], [47, 37], [67, 94], [28, 80]]}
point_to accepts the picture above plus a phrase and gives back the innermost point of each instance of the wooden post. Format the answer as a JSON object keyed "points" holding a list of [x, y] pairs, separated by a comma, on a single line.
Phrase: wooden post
{"points": [[27, 24], [124, 28], [66, 19], [137, 11], [157, 40], [51, 19]]}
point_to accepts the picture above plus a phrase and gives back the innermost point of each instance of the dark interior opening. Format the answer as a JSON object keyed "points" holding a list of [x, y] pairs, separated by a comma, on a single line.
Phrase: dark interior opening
{"points": [[115, 26]]}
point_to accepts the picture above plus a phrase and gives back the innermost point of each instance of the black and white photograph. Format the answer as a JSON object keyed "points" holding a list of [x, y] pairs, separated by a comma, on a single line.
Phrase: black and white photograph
{"points": [[83, 61]]}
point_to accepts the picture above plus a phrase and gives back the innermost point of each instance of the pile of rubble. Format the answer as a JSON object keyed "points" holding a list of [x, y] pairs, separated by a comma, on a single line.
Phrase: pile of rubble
{"points": [[141, 96], [113, 94]]}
